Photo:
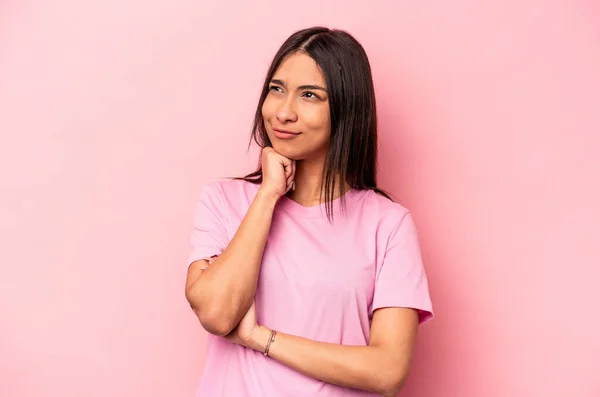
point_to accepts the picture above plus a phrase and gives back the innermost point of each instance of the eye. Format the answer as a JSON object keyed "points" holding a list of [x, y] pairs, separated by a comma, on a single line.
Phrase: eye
{"points": [[275, 88], [310, 95]]}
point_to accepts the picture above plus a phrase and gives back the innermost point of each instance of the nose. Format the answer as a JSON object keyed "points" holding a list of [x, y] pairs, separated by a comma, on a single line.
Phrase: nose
{"points": [[286, 111]]}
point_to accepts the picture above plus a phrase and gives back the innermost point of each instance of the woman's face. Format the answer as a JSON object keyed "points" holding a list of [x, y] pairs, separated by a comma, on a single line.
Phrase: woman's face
{"points": [[296, 109]]}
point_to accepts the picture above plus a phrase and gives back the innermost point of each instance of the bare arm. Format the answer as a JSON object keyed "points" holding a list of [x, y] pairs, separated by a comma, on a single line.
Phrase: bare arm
{"points": [[381, 367], [222, 293]]}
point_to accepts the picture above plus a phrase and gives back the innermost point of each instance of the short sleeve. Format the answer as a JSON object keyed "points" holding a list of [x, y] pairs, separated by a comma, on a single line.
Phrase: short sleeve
{"points": [[401, 280], [209, 235]]}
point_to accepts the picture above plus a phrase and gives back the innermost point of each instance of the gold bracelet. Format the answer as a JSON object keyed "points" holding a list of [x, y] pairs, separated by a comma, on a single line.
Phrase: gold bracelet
{"points": [[271, 340]]}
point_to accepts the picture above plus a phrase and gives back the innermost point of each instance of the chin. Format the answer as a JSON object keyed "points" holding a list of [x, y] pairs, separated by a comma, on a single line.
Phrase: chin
{"points": [[287, 150]]}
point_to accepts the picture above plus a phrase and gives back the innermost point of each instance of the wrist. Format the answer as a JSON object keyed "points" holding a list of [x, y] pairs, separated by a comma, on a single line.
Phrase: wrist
{"points": [[267, 197], [260, 337]]}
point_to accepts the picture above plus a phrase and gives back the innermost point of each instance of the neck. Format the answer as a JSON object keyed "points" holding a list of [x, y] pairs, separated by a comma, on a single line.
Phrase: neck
{"points": [[308, 182]]}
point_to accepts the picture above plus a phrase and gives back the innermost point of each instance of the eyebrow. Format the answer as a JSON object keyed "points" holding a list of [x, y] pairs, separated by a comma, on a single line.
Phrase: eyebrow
{"points": [[302, 87]]}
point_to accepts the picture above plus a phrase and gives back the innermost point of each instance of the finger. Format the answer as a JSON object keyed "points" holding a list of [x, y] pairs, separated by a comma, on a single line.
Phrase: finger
{"points": [[287, 166], [208, 262], [293, 175], [289, 186], [195, 270]]}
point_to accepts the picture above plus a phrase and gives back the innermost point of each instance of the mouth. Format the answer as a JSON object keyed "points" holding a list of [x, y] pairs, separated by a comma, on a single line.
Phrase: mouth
{"points": [[285, 134]]}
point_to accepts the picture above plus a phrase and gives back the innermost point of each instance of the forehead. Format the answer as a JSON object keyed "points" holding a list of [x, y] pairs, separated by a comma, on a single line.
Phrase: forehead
{"points": [[299, 69]]}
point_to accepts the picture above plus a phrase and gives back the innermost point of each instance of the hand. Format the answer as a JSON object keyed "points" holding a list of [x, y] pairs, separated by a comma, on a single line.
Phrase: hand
{"points": [[278, 172], [246, 332]]}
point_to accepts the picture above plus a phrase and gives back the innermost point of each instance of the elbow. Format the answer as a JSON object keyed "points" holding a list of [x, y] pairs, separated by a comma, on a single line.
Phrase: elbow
{"points": [[214, 320], [216, 325], [393, 383]]}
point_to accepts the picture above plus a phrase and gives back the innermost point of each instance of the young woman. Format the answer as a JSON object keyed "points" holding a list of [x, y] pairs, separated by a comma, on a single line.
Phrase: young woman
{"points": [[307, 276]]}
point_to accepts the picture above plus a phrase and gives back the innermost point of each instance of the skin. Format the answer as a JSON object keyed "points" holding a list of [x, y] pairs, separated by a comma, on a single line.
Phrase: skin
{"points": [[221, 291], [293, 107]]}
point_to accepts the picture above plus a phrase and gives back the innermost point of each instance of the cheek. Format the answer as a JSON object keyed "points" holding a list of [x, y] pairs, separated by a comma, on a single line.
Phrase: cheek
{"points": [[267, 109], [318, 120]]}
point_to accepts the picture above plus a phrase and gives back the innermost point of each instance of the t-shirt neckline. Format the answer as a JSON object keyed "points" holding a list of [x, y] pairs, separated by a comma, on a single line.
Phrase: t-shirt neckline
{"points": [[319, 210]]}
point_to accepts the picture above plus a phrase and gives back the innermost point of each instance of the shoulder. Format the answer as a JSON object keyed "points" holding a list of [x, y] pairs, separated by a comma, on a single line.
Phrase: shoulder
{"points": [[384, 210], [389, 222], [386, 219]]}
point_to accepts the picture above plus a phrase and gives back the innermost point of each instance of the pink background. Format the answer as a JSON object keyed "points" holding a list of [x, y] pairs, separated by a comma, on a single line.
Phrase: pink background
{"points": [[113, 114]]}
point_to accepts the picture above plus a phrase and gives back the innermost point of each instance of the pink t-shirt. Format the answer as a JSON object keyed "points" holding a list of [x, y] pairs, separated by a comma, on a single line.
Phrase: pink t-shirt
{"points": [[318, 280]]}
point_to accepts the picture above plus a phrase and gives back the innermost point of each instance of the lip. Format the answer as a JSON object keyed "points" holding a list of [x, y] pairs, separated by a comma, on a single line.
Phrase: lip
{"points": [[284, 134]]}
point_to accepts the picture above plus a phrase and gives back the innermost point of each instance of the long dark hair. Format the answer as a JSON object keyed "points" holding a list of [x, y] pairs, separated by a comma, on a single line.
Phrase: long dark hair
{"points": [[352, 153]]}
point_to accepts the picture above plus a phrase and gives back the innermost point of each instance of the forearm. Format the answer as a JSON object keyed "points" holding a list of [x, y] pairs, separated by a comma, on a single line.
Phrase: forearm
{"points": [[222, 294], [370, 368]]}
